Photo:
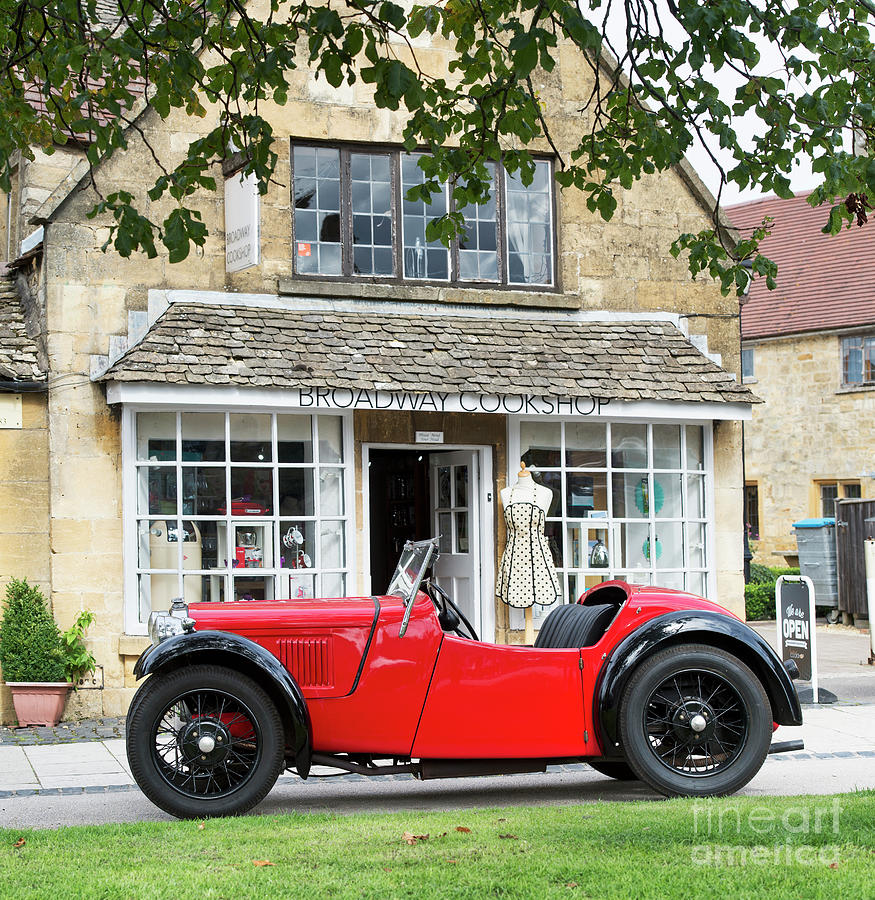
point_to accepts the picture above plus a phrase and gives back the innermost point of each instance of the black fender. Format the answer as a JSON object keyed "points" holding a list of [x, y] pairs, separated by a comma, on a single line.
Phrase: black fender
{"points": [[224, 648], [689, 627]]}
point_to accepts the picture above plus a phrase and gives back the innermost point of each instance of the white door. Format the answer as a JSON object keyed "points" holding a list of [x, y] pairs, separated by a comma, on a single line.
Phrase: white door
{"points": [[455, 503]]}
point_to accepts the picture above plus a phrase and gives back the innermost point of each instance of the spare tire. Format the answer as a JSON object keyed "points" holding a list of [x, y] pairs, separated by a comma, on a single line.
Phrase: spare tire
{"points": [[573, 625]]}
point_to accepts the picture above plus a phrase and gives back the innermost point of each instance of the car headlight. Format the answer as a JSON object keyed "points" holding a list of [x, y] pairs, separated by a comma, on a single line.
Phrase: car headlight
{"points": [[163, 625]]}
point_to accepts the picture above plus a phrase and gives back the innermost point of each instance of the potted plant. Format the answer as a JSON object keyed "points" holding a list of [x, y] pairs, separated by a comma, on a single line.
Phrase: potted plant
{"points": [[39, 663]]}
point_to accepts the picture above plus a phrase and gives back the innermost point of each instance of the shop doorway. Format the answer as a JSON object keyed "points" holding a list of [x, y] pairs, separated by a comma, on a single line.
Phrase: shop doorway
{"points": [[415, 494]]}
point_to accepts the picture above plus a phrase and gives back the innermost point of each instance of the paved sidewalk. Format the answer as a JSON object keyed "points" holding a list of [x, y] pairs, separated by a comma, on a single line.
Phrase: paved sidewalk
{"points": [[840, 731]]}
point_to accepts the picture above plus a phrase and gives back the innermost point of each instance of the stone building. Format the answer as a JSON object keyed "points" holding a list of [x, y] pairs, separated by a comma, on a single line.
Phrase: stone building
{"points": [[273, 417], [808, 351]]}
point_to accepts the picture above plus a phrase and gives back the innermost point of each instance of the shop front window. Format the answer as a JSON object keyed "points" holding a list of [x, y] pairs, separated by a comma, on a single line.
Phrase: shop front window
{"points": [[629, 501], [238, 506]]}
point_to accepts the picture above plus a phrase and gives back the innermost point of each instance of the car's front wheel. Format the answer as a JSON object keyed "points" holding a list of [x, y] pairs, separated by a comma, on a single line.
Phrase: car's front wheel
{"points": [[204, 741], [695, 721]]}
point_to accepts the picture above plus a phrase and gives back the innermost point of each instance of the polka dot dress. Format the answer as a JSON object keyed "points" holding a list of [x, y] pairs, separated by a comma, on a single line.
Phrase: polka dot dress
{"points": [[526, 575]]}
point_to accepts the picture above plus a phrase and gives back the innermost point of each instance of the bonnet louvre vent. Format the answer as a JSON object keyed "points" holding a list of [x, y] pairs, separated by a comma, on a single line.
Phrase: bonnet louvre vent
{"points": [[310, 660]]}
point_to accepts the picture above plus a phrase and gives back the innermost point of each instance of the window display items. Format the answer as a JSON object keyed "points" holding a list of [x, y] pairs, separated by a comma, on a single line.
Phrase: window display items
{"points": [[598, 555], [163, 544], [526, 574], [293, 540]]}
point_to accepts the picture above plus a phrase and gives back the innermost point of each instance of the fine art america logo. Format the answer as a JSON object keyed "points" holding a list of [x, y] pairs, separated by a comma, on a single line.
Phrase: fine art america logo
{"points": [[793, 836]]}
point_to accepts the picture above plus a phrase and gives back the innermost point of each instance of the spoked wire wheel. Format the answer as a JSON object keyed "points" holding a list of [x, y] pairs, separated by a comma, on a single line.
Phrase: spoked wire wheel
{"points": [[695, 721], [204, 741]]}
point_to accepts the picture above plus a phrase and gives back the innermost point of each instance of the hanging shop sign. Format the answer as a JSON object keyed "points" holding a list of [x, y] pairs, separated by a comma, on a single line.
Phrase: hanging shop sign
{"points": [[444, 401], [242, 232], [794, 595]]}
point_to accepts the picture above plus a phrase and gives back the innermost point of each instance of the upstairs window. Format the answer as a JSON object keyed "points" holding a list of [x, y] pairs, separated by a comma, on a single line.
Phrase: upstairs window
{"points": [[747, 364], [858, 359], [352, 220]]}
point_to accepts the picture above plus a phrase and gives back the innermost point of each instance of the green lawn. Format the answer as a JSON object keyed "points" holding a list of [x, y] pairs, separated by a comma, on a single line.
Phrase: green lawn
{"points": [[731, 848]]}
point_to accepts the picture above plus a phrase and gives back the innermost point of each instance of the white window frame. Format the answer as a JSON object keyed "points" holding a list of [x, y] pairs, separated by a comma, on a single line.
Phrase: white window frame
{"points": [[131, 516], [709, 570]]}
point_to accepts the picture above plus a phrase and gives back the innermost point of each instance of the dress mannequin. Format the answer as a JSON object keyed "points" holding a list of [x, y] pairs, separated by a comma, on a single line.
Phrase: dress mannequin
{"points": [[526, 574], [527, 490]]}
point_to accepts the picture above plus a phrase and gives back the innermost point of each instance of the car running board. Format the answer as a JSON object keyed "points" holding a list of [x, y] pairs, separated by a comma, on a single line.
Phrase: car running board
{"points": [[426, 769], [787, 746]]}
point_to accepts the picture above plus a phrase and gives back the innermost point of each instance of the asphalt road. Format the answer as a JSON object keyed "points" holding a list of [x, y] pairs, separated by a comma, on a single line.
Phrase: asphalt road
{"points": [[778, 777]]}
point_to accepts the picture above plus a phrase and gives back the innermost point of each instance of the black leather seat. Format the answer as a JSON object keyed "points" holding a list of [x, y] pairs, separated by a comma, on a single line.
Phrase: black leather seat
{"points": [[573, 625]]}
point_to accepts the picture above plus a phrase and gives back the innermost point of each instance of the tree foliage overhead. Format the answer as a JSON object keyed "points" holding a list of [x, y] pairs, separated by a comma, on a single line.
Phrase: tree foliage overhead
{"points": [[802, 71]]}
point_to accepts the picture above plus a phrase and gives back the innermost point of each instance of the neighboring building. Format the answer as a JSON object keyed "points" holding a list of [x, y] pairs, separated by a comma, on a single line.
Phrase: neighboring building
{"points": [[24, 452], [320, 374], [809, 352]]}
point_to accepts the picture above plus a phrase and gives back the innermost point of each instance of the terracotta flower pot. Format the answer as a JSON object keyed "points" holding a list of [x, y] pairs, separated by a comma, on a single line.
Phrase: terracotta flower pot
{"points": [[39, 702]]}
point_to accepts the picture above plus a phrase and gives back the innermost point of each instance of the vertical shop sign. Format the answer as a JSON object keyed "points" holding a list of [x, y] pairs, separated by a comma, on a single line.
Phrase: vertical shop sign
{"points": [[242, 231], [10, 411]]}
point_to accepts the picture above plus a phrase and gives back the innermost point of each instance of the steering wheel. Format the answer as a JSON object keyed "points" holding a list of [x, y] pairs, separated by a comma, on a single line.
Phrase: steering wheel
{"points": [[450, 616]]}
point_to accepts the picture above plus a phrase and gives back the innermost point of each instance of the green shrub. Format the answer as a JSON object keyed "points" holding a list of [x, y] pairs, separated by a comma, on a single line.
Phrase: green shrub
{"points": [[30, 642], [759, 593], [759, 601], [760, 574]]}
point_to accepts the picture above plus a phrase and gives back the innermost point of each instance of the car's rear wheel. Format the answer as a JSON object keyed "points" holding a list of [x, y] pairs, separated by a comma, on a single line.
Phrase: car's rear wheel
{"points": [[695, 721], [204, 741], [613, 768]]}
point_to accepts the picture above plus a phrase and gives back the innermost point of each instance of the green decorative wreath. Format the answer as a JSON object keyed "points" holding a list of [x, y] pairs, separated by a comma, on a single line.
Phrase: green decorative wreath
{"points": [[641, 497], [645, 548]]}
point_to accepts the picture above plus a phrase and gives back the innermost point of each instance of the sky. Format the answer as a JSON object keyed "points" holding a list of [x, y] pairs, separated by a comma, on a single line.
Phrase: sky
{"points": [[801, 179]]}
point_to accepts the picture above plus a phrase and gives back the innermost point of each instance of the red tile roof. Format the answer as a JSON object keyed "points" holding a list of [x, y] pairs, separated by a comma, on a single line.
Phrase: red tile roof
{"points": [[35, 97], [824, 281]]}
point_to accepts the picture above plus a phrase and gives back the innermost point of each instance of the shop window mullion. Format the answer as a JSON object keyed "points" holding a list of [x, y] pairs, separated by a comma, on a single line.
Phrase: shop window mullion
{"points": [[317, 508], [179, 535], [651, 503], [611, 530], [275, 518], [396, 209], [346, 248], [229, 507], [501, 235]]}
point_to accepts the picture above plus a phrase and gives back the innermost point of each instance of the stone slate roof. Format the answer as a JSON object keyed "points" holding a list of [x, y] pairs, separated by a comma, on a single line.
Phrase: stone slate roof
{"points": [[18, 352], [208, 344]]}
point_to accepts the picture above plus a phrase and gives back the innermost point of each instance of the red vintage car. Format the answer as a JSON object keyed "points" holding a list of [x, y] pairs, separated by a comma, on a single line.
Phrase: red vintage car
{"points": [[638, 682]]}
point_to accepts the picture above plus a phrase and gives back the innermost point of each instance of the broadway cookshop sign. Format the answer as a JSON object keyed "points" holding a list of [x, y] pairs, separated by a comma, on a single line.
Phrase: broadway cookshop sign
{"points": [[444, 401]]}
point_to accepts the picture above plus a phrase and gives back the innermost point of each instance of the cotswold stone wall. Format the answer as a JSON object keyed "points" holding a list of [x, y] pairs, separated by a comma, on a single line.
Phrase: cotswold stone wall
{"points": [[808, 429], [623, 265], [24, 506]]}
